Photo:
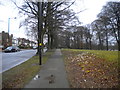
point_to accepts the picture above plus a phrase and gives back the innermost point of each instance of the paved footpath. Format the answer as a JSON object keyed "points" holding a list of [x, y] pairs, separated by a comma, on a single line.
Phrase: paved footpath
{"points": [[52, 74]]}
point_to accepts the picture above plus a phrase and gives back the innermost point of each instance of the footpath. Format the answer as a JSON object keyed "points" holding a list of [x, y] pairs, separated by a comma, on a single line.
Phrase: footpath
{"points": [[52, 74]]}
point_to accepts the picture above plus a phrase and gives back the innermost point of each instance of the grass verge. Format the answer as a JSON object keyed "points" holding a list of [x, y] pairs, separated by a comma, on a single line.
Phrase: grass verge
{"points": [[91, 68], [108, 55], [20, 75], [112, 56]]}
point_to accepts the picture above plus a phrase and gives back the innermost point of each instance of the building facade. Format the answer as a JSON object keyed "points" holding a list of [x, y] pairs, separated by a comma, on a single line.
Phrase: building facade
{"points": [[5, 39], [26, 42], [8, 40]]}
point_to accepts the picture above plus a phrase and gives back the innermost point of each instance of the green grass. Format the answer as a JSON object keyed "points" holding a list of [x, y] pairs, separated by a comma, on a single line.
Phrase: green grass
{"points": [[20, 75], [106, 61], [108, 55]]}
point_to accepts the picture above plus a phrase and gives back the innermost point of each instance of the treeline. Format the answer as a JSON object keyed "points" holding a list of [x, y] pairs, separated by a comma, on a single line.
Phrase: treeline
{"points": [[63, 28], [85, 38], [55, 16], [101, 34]]}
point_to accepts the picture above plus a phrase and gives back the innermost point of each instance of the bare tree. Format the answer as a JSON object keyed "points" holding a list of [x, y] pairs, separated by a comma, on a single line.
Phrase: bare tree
{"points": [[53, 18], [98, 28], [112, 11]]}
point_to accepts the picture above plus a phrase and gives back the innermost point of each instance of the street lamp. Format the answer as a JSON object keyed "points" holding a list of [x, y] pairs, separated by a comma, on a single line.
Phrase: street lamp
{"points": [[40, 12], [9, 26]]}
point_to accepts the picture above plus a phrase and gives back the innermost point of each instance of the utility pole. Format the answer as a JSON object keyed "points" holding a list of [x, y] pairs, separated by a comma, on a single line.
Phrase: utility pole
{"points": [[9, 27], [40, 32]]}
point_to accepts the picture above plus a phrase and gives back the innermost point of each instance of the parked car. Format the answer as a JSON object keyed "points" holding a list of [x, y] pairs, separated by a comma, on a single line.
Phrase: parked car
{"points": [[12, 49]]}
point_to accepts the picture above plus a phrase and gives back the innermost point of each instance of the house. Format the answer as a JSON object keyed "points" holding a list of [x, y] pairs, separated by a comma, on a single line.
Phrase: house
{"points": [[15, 42], [8, 40], [5, 39], [25, 42]]}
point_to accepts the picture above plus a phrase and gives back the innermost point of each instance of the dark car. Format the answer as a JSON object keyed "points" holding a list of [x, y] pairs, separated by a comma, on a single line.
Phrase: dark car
{"points": [[12, 49]]}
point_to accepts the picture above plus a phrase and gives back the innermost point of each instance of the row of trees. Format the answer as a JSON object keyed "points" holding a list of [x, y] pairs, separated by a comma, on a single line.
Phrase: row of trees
{"points": [[101, 34], [63, 28], [53, 18], [109, 23]]}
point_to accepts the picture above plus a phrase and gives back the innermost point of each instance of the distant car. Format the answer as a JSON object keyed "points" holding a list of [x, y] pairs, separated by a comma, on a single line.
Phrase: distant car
{"points": [[12, 49], [34, 47]]}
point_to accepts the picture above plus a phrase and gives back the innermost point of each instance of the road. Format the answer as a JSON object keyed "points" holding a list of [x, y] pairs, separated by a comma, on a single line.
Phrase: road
{"points": [[10, 60]]}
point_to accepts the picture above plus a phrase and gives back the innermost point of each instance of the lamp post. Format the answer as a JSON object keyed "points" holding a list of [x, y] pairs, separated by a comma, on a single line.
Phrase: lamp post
{"points": [[40, 12], [9, 27]]}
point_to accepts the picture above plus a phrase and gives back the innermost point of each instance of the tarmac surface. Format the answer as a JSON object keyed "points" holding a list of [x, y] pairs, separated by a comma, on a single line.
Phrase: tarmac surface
{"points": [[52, 74], [12, 59]]}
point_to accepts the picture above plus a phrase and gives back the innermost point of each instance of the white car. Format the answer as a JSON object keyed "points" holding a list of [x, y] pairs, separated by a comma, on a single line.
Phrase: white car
{"points": [[34, 47]]}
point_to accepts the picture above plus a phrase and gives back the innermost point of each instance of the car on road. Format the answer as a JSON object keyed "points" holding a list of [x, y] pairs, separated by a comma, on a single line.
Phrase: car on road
{"points": [[12, 49], [34, 47]]}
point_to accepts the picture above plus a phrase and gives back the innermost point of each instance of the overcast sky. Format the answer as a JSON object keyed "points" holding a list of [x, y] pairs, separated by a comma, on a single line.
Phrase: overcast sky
{"points": [[8, 10], [93, 7]]}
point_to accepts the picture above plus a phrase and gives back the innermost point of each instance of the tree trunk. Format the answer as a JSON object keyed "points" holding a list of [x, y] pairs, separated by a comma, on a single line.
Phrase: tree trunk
{"points": [[118, 45], [49, 25], [52, 41], [106, 41], [87, 46], [56, 41], [78, 42], [48, 46], [118, 37], [100, 42], [90, 44]]}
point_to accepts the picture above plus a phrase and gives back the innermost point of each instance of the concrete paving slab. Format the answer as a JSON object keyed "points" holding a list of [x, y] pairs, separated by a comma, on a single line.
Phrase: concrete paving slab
{"points": [[51, 75]]}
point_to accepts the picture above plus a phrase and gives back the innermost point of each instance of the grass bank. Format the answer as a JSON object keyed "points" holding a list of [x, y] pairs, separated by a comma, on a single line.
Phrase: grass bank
{"points": [[108, 55], [91, 68], [20, 75]]}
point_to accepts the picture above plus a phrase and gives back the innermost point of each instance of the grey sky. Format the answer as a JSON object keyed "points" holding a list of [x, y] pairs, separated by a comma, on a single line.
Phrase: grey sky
{"points": [[8, 10]]}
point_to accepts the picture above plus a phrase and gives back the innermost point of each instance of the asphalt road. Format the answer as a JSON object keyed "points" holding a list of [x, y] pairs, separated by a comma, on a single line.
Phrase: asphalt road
{"points": [[10, 60]]}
